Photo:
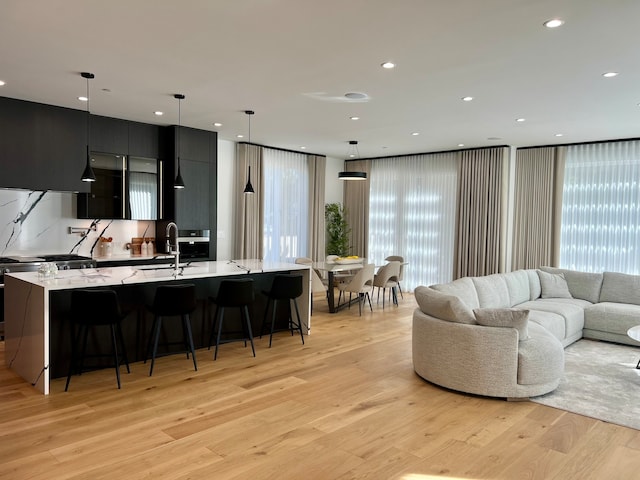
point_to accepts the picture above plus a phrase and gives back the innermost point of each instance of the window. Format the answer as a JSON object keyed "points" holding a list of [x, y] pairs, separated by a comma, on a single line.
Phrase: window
{"points": [[286, 205], [412, 211], [601, 208]]}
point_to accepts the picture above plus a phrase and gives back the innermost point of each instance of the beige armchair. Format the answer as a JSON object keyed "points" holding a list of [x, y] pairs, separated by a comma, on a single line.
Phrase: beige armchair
{"points": [[359, 284]]}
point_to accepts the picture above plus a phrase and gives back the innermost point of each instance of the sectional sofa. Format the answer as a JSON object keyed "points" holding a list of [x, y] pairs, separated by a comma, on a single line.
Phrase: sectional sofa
{"points": [[503, 335]]}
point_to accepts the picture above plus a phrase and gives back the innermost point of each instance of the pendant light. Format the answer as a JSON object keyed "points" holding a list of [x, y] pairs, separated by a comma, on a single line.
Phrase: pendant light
{"points": [[352, 153], [88, 175], [248, 187], [178, 183]]}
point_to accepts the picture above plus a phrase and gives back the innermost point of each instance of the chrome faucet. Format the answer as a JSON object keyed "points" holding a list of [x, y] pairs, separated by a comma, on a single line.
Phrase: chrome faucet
{"points": [[175, 251]]}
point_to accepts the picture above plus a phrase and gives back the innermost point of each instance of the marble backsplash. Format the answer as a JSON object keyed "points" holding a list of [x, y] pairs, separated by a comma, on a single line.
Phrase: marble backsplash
{"points": [[36, 222]]}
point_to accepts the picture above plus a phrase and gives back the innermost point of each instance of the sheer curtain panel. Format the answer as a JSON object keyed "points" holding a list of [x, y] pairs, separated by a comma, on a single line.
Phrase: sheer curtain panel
{"points": [[601, 208], [412, 213], [286, 205]]}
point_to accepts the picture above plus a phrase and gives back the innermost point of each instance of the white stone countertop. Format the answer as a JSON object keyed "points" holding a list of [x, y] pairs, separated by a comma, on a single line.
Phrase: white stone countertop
{"points": [[127, 275]]}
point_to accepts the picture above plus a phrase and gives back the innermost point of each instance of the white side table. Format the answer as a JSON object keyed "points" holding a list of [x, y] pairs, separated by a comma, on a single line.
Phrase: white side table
{"points": [[634, 332]]}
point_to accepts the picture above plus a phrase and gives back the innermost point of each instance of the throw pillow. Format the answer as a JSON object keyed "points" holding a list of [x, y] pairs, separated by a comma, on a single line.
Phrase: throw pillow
{"points": [[553, 285], [443, 306], [506, 318]]}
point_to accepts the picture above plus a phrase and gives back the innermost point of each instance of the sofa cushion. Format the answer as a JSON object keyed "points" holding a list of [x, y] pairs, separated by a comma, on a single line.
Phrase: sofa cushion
{"points": [[612, 317], [492, 291], [620, 288], [462, 288], [540, 357], [553, 285], [571, 310], [518, 286], [534, 284], [443, 306], [506, 318], [582, 285], [553, 322]]}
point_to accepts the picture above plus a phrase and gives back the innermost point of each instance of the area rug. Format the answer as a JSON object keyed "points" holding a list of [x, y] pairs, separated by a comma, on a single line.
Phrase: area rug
{"points": [[600, 381]]}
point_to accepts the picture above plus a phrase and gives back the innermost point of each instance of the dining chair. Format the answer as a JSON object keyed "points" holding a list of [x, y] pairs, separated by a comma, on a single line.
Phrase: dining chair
{"points": [[385, 278], [400, 259], [317, 283], [359, 285]]}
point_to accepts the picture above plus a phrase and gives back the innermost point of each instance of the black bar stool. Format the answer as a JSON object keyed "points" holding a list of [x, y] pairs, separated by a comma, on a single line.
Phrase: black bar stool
{"points": [[172, 301], [233, 294], [90, 309], [284, 287]]}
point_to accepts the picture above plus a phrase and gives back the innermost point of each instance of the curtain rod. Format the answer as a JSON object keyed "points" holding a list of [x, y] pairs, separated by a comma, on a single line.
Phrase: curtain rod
{"points": [[283, 149], [425, 153]]}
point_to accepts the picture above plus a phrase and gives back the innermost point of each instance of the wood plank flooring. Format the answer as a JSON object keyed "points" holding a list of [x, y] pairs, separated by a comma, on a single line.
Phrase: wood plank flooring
{"points": [[346, 405]]}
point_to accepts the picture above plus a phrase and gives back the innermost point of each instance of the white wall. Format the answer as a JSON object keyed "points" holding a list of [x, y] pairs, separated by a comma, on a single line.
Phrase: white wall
{"points": [[333, 186], [226, 203]]}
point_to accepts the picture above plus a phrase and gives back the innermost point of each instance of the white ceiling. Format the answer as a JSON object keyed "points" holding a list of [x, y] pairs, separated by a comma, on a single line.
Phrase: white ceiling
{"points": [[292, 61]]}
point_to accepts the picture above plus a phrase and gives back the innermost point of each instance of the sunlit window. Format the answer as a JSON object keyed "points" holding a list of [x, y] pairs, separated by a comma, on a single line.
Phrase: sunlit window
{"points": [[286, 205], [412, 213], [601, 208]]}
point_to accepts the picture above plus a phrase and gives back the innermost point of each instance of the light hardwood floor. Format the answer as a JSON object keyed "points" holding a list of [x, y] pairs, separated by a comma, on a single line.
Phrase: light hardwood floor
{"points": [[345, 405]]}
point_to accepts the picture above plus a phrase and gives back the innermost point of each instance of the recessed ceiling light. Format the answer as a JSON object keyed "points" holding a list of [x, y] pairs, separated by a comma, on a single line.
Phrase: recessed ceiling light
{"points": [[610, 74], [239, 136], [461, 144], [388, 65], [467, 99], [158, 113], [559, 134], [354, 118], [521, 119], [83, 99], [356, 95], [303, 147], [2, 83], [553, 23], [217, 124], [415, 134]]}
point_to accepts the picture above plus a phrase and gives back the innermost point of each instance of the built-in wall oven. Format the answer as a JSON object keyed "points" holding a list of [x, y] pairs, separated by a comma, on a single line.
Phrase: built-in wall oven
{"points": [[11, 264], [193, 244]]}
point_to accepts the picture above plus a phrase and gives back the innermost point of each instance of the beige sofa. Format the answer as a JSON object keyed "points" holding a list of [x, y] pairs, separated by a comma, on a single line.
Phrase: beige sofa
{"points": [[504, 335]]}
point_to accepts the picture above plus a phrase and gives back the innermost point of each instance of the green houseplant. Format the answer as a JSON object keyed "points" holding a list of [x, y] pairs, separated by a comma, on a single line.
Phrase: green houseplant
{"points": [[337, 230]]}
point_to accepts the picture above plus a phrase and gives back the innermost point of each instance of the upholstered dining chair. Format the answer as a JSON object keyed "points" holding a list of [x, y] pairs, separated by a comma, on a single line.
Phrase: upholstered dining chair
{"points": [[385, 278], [359, 284], [398, 258]]}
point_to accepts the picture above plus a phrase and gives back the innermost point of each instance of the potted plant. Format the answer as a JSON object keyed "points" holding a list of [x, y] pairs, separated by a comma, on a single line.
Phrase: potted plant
{"points": [[337, 230]]}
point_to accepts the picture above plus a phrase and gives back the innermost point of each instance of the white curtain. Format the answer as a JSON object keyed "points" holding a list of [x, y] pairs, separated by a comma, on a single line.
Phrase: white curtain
{"points": [[286, 205], [601, 208], [412, 213]]}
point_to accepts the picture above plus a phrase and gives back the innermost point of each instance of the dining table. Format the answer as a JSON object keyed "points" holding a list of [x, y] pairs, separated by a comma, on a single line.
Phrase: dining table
{"points": [[331, 269]]}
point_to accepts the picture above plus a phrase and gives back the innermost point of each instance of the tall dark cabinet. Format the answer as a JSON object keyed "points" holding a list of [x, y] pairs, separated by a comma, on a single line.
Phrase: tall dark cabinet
{"points": [[194, 207]]}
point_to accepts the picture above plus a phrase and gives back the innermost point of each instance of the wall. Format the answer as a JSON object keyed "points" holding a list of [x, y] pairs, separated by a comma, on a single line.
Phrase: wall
{"points": [[226, 211], [333, 188]]}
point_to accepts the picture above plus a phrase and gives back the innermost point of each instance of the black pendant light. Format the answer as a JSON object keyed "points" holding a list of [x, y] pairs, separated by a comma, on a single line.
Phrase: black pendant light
{"points": [[248, 187], [88, 175], [178, 183], [352, 153]]}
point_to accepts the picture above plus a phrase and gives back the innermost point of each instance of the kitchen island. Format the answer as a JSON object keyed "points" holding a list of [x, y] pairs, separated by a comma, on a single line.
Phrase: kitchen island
{"points": [[37, 339]]}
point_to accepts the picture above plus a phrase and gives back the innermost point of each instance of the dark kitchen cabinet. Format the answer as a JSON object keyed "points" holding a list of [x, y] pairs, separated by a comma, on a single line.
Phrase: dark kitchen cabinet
{"points": [[195, 206], [107, 196], [42, 147], [144, 140], [109, 135]]}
